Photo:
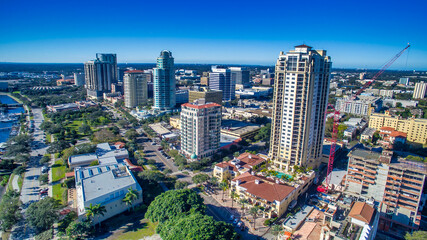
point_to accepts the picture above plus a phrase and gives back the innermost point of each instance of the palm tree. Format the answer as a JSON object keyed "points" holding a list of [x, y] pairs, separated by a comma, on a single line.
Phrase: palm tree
{"points": [[224, 186], [254, 212], [243, 201], [276, 229], [130, 197], [233, 196], [94, 210]]}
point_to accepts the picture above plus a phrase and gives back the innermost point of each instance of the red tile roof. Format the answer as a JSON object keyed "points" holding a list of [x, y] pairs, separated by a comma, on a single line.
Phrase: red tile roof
{"points": [[362, 211], [265, 189], [398, 134], [302, 46], [69, 175], [250, 159], [387, 129], [209, 105]]}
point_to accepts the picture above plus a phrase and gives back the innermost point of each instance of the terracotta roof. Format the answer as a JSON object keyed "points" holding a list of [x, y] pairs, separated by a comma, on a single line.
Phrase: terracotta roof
{"points": [[362, 211], [133, 167], [189, 105], [226, 165], [69, 174], [265, 189], [250, 159], [120, 144], [387, 129], [134, 71], [398, 134], [302, 46]]}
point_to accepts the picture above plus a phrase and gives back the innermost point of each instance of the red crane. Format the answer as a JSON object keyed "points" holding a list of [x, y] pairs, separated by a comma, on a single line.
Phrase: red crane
{"points": [[336, 120]]}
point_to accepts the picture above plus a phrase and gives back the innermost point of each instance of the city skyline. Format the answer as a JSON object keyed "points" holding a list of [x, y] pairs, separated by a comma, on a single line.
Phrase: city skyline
{"points": [[357, 36]]}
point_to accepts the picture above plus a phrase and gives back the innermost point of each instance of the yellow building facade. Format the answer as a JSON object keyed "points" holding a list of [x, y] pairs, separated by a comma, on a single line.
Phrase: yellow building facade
{"points": [[416, 128]]}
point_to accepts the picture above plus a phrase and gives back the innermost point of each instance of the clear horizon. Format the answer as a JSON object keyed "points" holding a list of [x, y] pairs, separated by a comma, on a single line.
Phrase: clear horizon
{"points": [[238, 32]]}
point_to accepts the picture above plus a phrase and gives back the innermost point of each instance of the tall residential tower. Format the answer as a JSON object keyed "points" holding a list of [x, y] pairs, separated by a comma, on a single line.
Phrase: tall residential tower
{"points": [[135, 87], [300, 99], [164, 82], [100, 74]]}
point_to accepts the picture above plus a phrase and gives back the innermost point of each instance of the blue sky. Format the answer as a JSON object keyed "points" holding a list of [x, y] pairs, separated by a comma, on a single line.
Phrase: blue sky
{"points": [[357, 34]]}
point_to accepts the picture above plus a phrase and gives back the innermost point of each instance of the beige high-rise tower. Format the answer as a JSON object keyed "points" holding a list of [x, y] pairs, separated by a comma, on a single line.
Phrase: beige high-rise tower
{"points": [[135, 88], [301, 89]]}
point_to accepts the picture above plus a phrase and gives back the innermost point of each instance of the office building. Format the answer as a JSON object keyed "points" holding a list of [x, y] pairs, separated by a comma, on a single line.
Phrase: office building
{"points": [[420, 90], [220, 79], [164, 82], [100, 74], [393, 181], [301, 90], [204, 79], [106, 185], [79, 79], [415, 128], [240, 75], [200, 129], [361, 106], [207, 94], [135, 88], [404, 81], [181, 96]]}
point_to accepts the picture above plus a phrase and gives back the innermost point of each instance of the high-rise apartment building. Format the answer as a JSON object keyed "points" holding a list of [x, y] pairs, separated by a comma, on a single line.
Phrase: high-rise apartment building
{"points": [[240, 75], [220, 79], [79, 79], [300, 99], [207, 94], [420, 90], [415, 128], [164, 82], [100, 74], [200, 129], [361, 106], [393, 181], [404, 81], [135, 87]]}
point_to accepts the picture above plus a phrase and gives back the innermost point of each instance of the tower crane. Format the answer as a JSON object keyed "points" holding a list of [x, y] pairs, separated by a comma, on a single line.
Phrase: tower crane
{"points": [[336, 119]]}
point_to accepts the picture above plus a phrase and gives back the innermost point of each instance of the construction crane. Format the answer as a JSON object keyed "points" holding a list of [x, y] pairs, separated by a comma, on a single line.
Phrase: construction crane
{"points": [[336, 119]]}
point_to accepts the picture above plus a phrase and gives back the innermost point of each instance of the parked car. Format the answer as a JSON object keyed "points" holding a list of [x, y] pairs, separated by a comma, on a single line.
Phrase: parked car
{"points": [[231, 217], [236, 221], [239, 224]]}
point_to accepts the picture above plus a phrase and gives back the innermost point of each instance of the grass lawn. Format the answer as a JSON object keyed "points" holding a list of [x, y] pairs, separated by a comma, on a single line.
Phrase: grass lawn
{"points": [[9, 186], [58, 171], [20, 181], [57, 191], [146, 228], [48, 138], [75, 125]]}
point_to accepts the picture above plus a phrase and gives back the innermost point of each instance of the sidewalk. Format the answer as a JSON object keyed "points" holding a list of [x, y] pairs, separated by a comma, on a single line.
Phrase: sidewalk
{"points": [[15, 184]]}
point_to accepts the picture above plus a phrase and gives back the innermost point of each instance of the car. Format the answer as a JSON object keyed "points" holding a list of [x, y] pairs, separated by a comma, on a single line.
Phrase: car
{"points": [[231, 217], [239, 224], [236, 221], [160, 148], [42, 192]]}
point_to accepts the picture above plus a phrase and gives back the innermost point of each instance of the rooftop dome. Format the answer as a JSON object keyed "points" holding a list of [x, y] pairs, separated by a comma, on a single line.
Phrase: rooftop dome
{"points": [[193, 156]]}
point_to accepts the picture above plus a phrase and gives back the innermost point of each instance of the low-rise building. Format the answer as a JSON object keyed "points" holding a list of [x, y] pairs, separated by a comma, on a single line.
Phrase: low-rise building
{"points": [[361, 106], [106, 185], [389, 137], [62, 107], [243, 163], [367, 134], [104, 154], [175, 122], [239, 129], [415, 128]]}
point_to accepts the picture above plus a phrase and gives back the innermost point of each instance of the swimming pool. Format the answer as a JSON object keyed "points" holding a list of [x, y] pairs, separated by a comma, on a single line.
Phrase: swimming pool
{"points": [[280, 174]]}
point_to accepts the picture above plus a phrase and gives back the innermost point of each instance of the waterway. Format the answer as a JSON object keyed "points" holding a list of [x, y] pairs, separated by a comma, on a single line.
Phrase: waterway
{"points": [[5, 127]]}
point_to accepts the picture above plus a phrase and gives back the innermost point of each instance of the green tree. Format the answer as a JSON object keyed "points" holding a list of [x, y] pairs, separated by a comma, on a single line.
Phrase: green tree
{"points": [[236, 154], [254, 212], [196, 226], [276, 230], [243, 202], [131, 134], [200, 178], [45, 159], [9, 210], [180, 184], [417, 235], [42, 214], [95, 210], [85, 129], [171, 203], [233, 196], [152, 176], [224, 186], [78, 229], [130, 197]]}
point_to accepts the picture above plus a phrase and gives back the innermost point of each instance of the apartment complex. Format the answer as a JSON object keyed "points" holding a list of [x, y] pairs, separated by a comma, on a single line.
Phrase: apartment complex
{"points": [[300, 100], [394, 182], [240, 75], [200, 129], [100, 74], [361, 106], [233, 168], [79, 79], [420, 90], [135, 88], [209, 95], [415, 128], [220, 79], [164, 82]]}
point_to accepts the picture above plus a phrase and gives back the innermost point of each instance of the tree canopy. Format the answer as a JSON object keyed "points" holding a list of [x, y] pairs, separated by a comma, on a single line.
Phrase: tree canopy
{"points": [[196, 226], [9, 210], [171, 203], [42, 214], [417, 235]]}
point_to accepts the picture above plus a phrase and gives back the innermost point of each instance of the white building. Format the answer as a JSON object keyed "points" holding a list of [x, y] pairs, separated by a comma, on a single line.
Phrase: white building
{"points": [[135, 88], [104, 154], [200, 129], [361, 106], [300, 99], [100, 74], [106, 185], [420, 90]]}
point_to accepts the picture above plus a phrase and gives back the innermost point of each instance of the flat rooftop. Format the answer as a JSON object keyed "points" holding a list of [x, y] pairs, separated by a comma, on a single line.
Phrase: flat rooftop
{"points": [[366, 154], [159, 129], [295, 221]]}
